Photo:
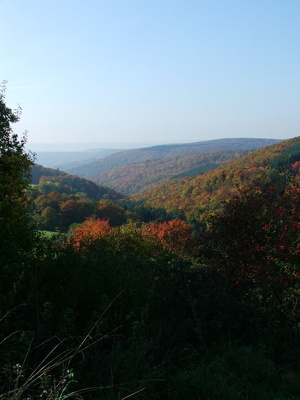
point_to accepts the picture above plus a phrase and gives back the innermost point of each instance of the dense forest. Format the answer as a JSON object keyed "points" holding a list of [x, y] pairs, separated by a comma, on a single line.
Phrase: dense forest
{"points": [[108, 297], [132, 178], [200, 193]]}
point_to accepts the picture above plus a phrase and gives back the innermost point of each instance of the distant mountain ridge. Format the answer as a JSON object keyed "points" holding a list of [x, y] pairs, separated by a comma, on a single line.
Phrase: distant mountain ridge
{"points": [[126, 157], [65, 160]]}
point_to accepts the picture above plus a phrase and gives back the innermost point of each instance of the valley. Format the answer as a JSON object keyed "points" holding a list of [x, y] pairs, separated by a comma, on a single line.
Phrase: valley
{"points": [[176, 271]]}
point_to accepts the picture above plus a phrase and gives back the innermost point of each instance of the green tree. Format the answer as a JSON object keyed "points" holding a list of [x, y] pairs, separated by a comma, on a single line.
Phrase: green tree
{"points": [[49, 219], [107, 209], [75, 211], [15, 164]]}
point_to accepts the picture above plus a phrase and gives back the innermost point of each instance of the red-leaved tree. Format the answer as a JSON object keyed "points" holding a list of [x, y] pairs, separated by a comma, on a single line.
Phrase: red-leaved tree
{"points": [[88, 233], [176, 235], [255, 243]]}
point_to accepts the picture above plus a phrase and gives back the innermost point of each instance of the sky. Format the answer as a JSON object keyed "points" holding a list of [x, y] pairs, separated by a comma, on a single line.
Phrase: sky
{"points": [[155, 71]]}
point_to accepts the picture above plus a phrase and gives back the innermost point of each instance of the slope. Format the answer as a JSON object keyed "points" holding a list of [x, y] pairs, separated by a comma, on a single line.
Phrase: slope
{"points": [[158, 152], [50, 180], [131, 178], [198, 194], [37, 171]]}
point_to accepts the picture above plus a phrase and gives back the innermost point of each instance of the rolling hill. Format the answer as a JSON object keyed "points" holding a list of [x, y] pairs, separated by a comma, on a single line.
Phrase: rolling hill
{"points": [[122, 158], [197, 194], [131, 178], [37, 171], [50, 180]]}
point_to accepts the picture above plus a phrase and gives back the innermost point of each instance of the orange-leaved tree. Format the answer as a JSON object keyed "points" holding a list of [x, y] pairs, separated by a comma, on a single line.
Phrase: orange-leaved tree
{"points": [[175, 235], [88, 233]]}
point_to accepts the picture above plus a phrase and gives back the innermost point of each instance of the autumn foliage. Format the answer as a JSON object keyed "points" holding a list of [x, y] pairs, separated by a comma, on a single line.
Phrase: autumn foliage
{"points": [[255, 243], [133, 302], [88, 233], [196, 194], [175, 235]]}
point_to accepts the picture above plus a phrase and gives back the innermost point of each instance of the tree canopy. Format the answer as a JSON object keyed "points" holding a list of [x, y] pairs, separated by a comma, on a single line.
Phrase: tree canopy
{"points": [[15, 163]]}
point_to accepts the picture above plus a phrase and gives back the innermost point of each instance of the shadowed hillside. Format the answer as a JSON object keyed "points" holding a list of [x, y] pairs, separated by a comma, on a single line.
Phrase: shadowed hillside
{"points": [[37, 171]]}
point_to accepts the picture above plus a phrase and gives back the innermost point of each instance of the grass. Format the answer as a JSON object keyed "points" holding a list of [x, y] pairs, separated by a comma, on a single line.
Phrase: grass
{"points": [[48, 234]]}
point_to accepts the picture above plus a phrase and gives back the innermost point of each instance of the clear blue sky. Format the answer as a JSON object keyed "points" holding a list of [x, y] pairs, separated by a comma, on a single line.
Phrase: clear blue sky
{"points": [[152, 70]]}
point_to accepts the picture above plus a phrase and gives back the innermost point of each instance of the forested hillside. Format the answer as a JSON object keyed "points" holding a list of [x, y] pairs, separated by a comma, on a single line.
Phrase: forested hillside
{"points": [[125, 304], [158, 152], [38, 171], [198, 194], [131, 178], [60, 200]]}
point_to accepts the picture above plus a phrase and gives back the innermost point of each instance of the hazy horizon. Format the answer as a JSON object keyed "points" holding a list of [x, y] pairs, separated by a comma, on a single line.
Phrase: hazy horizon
{"points": [[92, 147]]}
